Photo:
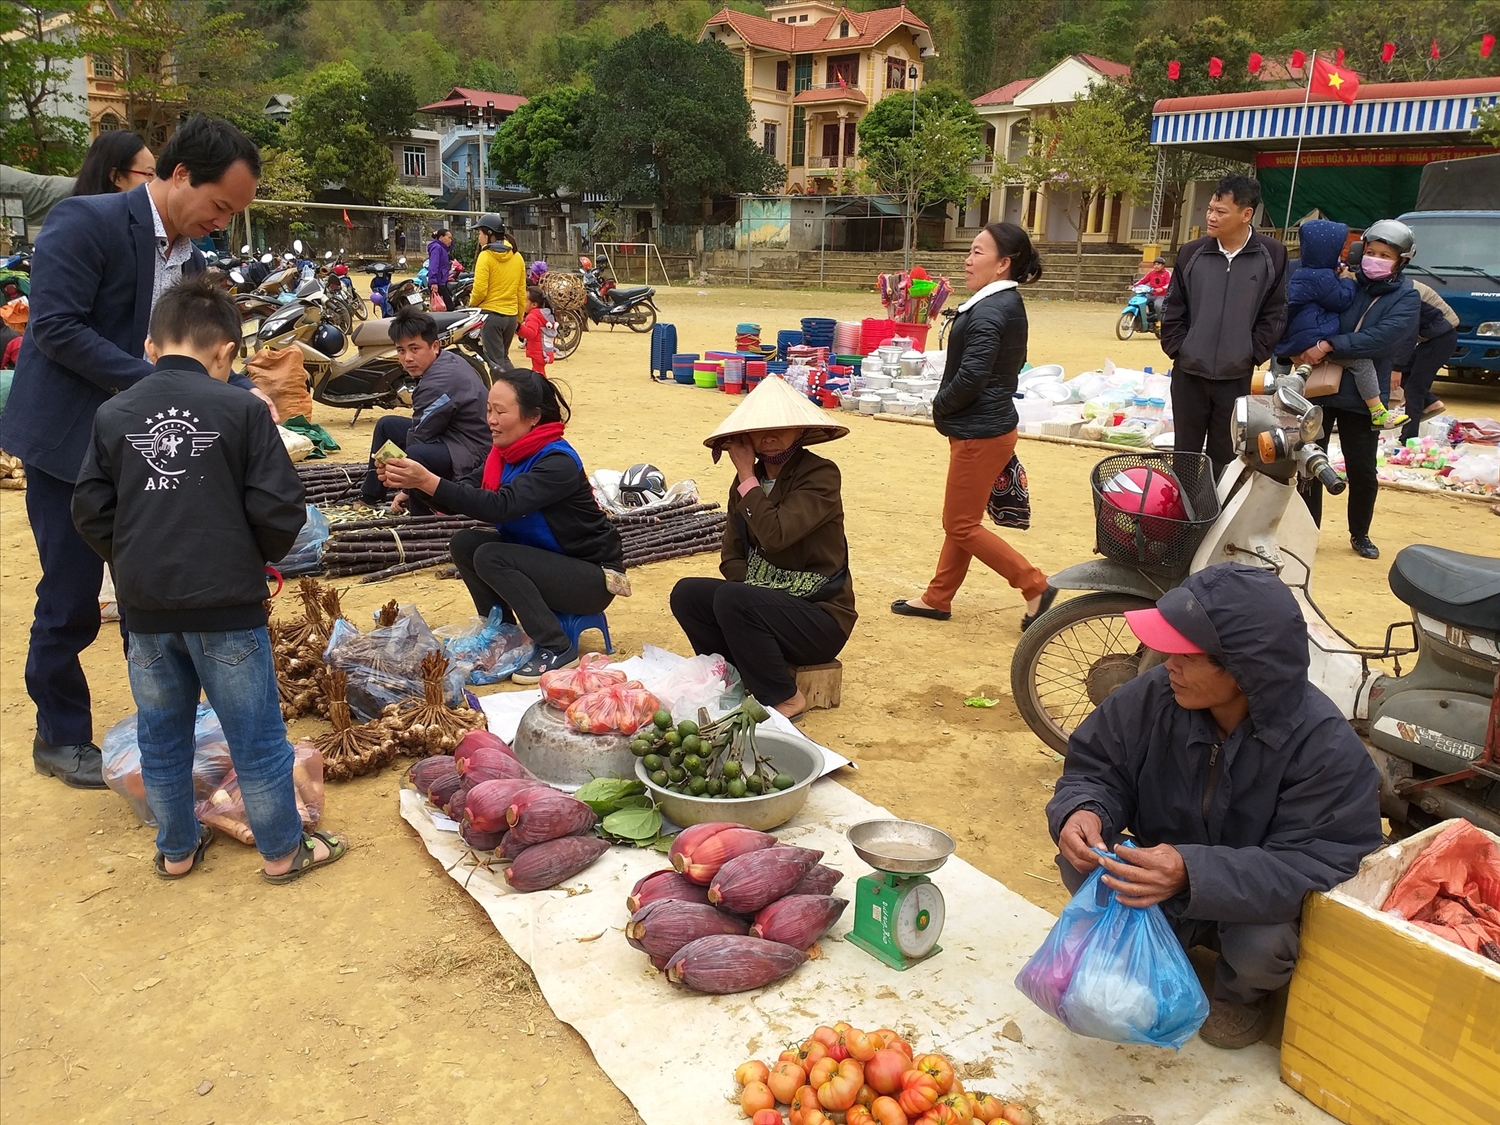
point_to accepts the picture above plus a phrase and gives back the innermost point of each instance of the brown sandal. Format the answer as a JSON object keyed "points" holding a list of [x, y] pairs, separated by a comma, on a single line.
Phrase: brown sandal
{"points": [[303, 861]]}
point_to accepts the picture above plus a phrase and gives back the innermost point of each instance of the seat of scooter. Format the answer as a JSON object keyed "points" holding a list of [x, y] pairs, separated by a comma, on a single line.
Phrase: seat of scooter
{"points": [[449, 319], [1456, 588], [375, 332], [625, 292]]}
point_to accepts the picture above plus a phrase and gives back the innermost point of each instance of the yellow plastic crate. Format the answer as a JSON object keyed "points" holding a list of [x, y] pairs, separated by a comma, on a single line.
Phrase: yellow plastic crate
{"points": [[1387, 1023]]}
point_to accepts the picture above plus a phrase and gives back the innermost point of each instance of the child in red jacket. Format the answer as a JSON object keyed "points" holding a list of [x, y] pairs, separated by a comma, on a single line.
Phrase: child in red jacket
{"points": [[539, 330]]}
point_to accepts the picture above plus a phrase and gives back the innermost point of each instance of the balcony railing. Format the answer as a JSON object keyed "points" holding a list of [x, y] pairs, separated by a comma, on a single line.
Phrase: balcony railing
{"points": [[982, 168], [832, 163], [429, 181], [1145, 234]]}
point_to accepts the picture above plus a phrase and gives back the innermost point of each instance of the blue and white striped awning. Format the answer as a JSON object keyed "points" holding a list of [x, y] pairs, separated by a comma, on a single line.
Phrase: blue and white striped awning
{"points": [[1270, 126]]}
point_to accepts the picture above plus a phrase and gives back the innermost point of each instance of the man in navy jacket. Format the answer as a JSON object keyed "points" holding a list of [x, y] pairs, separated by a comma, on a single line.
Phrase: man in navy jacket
{"points": [[100, 263]]}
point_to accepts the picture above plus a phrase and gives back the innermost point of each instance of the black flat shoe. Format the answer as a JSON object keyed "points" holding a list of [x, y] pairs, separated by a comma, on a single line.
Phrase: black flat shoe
{"points": [[1363, 547], [1049, 595], [80, 765], [206, 836], [906, 609]]}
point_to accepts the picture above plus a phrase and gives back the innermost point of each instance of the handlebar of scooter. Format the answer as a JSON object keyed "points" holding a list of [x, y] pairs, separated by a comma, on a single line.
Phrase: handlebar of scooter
{"points": [[1334, 483]]}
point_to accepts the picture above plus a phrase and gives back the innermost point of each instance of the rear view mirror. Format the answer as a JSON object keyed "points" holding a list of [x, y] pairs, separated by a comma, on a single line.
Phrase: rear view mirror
{"points": [[267, 258], [328, 255], [245, 250], [237, 277], [297, 245], [401, 261]]}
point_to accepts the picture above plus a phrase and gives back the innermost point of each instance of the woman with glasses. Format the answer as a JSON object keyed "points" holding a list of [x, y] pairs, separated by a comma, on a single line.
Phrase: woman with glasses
{"points": [[116, 161]]}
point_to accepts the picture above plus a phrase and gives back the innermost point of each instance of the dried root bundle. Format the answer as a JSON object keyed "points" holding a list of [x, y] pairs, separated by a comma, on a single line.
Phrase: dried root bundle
{"points": [[428, 725], [350, 750]]}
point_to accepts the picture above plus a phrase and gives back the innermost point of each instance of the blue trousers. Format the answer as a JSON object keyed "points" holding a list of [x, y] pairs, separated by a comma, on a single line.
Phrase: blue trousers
{"points": [[66, 620], [234, 669]]}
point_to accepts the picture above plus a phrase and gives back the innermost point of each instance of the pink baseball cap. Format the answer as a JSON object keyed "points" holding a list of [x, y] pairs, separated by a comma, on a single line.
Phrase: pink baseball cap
{"points": [[1176, 624]]}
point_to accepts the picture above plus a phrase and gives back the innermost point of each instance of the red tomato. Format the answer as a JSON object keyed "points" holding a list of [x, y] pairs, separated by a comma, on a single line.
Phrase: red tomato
{"points": [[888, 1111], [840, 1091], [862, 1046], [766, 1117], [940, 1069], [755, 1097], [884, 1070], [985, 1107], [786, 1079], [918, 1092], [752, 1071]]}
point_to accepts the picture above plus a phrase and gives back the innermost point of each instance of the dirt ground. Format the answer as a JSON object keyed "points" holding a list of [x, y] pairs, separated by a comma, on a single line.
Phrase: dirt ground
{"points": [[376, 991]]}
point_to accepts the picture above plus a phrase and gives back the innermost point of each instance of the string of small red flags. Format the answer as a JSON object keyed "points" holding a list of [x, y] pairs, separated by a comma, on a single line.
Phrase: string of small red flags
{"points": [[1324, 82]]}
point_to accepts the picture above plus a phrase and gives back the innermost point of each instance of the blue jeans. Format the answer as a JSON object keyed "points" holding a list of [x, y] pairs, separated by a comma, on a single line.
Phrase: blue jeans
{"points": [[234, 669]]}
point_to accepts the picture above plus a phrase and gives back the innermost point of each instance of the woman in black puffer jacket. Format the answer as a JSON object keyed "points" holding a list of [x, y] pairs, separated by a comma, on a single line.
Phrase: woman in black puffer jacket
{"points": [[974, 411]]}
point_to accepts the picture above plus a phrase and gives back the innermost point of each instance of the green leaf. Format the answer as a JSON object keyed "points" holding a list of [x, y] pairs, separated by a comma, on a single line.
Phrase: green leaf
{"points": [[980, 701], [633, 824], [603, 794], [639, 801]]}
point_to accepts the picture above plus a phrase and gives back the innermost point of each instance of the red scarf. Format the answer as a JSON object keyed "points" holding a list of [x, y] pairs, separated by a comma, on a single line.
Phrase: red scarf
{"points": [[517, 451]]}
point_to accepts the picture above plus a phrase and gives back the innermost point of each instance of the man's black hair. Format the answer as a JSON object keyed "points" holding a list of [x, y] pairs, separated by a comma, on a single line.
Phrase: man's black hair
{"points": [[1244, 190], [196, 312], [207, 146], [411, 322]]}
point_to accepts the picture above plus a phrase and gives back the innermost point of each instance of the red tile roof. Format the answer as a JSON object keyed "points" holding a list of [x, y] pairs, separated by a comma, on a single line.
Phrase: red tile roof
{"points": [[1105, 66], [504, 103], [831, 94], [1384, 91], [868, 28], [1005, 94]]}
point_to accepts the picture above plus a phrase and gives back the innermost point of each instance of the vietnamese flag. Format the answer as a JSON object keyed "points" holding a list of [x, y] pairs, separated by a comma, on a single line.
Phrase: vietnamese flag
{"points": [[1335, 81], [348, 222]]}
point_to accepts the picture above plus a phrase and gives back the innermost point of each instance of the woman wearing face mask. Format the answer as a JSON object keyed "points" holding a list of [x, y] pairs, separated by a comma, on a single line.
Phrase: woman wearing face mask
{"points": [[1379, 325]]}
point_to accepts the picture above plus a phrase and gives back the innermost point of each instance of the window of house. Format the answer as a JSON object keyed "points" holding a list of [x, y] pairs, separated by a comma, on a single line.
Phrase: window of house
{"points": [[799, 136], [413, 161], [109, 123], [843, 29], [802, 19], [895, 73], [831, 140], [804, 76], [103, 67], [768, 138], [849, 136], [845, 67], [783, 75]]}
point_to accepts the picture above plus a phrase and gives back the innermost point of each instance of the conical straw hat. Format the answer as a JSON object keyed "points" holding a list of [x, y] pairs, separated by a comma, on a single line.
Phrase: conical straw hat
{"points": [[774, 405]]}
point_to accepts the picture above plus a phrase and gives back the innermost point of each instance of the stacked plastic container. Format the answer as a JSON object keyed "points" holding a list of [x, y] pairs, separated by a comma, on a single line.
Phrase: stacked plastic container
{"points": [[734, 375], [847, 338], [786, 338], [682, 367], [874, 331], [747, 337], [755, 371], [707, 373], [817, 332]]}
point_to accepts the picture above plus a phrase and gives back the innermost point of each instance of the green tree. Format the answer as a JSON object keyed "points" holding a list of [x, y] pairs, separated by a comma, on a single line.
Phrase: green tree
{"points": [[538, 142], [667, 120], [1089, 148], [390, 102], [329, 129], [37, 56], [1363, 27], [932, 164], [1487, 125], [284, 176]]}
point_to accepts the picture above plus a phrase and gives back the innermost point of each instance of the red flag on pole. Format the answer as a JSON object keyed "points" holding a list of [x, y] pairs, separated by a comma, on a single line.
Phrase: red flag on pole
{"points": [[1435, 52], [1215, 66], [1486, 46], [1174, 70], [1387, 52], [1335, 81], [1255, 62], [1299, 60], [348, 222]]}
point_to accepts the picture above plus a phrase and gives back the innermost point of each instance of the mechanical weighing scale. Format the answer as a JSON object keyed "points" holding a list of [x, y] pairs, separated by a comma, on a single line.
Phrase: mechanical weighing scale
{"points": [[899, 911]]}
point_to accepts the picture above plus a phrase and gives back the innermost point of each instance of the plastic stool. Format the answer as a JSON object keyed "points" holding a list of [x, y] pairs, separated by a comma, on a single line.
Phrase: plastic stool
{"points": [[576, 624]]}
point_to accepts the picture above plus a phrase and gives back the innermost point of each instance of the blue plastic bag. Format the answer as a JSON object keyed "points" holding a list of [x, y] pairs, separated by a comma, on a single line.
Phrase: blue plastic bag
{"points": [[490, 648], [1115, 972], [306, 555]]}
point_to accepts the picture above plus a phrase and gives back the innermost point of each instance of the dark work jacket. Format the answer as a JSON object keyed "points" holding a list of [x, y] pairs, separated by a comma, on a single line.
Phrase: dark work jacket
{"points": [[91, 283], [986, 349], [1288, 803], [798, 525], [187, 490], [1222, 319], [554, 486], [449, 406], [1391, 309]]}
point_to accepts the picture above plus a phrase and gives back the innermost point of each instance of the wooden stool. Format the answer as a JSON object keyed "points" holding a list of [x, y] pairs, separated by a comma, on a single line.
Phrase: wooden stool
{"points": [[822, 684]]}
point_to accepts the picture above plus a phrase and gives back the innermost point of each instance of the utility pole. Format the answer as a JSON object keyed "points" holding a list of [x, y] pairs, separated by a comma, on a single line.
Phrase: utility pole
{"points": [[911, 219], [483, 118]]}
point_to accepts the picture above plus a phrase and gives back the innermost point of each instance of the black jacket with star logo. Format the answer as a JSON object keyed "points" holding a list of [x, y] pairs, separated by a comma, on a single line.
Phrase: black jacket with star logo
{"points": [[188, 492]]}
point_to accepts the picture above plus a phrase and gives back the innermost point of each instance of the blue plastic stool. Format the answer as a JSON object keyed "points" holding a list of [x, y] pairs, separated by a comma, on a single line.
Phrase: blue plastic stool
{"points": [[576, 624]]}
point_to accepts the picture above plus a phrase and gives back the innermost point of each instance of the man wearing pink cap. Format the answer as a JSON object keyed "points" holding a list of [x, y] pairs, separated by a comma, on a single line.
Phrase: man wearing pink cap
{"points": [[1240, 782]]}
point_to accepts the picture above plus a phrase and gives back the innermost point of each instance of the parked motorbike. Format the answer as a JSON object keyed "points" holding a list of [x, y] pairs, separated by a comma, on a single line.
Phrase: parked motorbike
{"points": [[1138, 315], [1432, 732], [607, 303]]}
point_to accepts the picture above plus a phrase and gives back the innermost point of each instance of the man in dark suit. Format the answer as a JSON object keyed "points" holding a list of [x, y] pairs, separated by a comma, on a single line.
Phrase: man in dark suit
{"points": [[100, 263]]}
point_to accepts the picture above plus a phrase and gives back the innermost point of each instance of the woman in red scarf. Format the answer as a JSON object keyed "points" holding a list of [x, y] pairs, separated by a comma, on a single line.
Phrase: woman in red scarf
{"points": [[552, 550]]}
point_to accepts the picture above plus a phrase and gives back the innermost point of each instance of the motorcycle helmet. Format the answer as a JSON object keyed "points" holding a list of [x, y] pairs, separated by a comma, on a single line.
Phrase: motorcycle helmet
{"points": [[1397, 235], [586, 262], [328, 339], [1139, 512], [491, 223], [642, 484]]}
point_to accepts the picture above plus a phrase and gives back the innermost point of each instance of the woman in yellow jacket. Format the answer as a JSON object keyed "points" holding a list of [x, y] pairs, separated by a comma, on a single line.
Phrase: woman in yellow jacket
{"points": [[499, 289]]}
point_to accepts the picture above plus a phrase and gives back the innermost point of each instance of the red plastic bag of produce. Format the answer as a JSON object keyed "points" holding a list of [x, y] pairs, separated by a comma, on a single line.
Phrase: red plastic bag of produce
{"points": [[563, 687], [617, 709], [225, 808], [1453, 889]]}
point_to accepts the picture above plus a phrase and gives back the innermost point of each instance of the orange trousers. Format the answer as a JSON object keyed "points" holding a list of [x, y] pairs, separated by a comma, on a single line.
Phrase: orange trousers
{"points": [[973, 465]]}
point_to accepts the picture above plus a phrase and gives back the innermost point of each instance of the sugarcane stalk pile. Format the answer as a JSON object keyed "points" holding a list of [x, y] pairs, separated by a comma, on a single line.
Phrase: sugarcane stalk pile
{"points": [[327, 484], [384, 546], [684, 527]]}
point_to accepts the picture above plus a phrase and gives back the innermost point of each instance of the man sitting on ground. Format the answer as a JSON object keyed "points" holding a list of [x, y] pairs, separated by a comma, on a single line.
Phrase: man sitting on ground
{"points": [[1240, 782], [447, 432]]}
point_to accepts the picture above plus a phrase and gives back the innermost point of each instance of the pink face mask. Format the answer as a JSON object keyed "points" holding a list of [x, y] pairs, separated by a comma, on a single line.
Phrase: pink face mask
{"points": [[1376, 269]]}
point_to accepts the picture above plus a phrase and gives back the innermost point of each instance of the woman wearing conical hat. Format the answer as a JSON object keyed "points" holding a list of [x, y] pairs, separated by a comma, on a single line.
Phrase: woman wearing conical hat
{"points": [[786, 598]]}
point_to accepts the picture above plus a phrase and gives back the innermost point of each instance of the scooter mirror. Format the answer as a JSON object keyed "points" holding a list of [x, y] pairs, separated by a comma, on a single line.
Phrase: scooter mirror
{"points": [[237, 277], [401, 261], [267, 258], [328, 255], [245, 250], [297, 245]]}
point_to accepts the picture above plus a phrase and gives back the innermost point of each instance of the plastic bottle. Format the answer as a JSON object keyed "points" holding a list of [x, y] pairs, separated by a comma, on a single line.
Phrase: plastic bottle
{"points": [[1140, 407], [1158, 408]]}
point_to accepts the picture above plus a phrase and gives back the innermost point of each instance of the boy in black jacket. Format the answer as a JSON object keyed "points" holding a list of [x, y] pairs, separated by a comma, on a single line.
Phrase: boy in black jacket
{"points": [[187, 492]]}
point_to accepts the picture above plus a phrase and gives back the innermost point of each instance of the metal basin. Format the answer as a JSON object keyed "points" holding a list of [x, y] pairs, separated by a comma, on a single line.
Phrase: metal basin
{"points": [[787, 754], [902, 847], [549, 747]]}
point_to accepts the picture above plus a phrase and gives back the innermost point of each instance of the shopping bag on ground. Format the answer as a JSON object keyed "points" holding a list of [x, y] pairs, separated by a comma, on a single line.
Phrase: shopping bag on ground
{"points": [[1115, 972]]}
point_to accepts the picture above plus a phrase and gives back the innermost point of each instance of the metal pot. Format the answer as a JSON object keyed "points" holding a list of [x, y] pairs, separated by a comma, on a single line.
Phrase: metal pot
{"points": [[549, 747], [911, 364]]}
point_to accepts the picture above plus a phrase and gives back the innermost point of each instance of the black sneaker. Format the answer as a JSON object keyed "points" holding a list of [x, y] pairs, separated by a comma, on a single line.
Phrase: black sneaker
{"points": [[1363, 547], [79, 766], [542, 661]]}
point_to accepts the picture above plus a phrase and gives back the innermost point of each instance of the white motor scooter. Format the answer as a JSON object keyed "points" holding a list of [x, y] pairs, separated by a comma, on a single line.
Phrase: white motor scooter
{"points": [[1081, 649]]}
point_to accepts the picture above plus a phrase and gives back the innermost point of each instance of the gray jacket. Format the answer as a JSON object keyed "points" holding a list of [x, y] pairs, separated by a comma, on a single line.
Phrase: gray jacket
{"points": [[1223, 317], [449, 406]]}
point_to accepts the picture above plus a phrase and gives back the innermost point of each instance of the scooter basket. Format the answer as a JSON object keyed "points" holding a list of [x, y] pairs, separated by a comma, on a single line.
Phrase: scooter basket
{"points": [[1152, 542]]}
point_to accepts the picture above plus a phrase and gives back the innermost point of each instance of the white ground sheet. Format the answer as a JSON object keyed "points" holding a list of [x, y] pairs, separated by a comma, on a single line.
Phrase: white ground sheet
{"points": [[646, 1033]]}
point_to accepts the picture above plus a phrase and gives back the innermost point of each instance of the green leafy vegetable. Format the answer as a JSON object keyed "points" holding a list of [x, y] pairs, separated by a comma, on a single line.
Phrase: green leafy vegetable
{"points": [[605, 794], [637, 825], [980, 701]]}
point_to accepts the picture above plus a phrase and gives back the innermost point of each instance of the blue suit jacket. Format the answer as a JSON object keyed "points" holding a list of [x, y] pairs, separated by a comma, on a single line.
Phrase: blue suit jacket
{"points": [[91, 282]]}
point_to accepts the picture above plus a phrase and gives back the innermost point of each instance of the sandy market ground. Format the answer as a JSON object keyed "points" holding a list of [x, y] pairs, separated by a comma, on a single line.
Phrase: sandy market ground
{"points": [[376, 991]]}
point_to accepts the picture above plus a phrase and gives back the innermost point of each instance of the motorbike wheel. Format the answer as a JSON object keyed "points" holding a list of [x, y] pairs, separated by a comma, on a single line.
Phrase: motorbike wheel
{"points": [[361, 310], [646, 322], [1071, 658], [1126, 326], [569, 334], [339, 316]]}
